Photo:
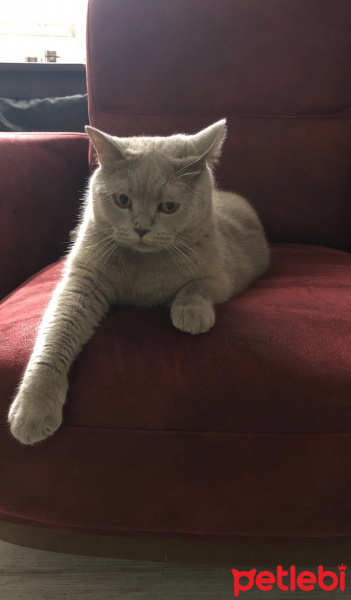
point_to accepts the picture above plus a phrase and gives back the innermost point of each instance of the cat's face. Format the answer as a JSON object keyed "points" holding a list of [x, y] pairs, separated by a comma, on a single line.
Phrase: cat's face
{"points": [[155, 193]]}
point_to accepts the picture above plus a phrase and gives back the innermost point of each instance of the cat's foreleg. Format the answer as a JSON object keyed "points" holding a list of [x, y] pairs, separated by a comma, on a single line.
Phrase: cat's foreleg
{"points": [[192, 308], [77, 306]]}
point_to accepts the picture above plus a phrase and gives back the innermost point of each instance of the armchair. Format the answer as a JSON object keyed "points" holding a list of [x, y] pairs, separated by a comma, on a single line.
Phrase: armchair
{"points": [[217, 447]]}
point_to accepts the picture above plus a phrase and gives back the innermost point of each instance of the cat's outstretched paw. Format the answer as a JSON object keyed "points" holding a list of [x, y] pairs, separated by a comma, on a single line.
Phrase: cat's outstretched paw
{"points": [[34, 421], [193, 318]]}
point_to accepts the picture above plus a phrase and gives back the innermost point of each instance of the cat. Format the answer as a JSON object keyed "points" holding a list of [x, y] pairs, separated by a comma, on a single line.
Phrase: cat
{"points": [[154, 231]]}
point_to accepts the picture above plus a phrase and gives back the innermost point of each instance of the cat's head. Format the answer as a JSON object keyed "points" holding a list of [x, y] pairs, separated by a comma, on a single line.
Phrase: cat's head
{"points": [[151, 192]]}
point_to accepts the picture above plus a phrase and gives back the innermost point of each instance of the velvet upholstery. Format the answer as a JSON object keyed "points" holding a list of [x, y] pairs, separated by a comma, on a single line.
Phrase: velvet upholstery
{"points": [[42, 178], [245, 432], [279, 72], [224, 434]]}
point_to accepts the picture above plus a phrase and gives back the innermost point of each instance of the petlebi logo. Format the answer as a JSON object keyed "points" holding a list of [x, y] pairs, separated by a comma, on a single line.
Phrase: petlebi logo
{"points": [[289, 580]]}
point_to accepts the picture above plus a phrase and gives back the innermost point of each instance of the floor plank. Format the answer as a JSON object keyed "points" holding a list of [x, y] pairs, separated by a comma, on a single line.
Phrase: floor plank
{"points": [[27, 574]]}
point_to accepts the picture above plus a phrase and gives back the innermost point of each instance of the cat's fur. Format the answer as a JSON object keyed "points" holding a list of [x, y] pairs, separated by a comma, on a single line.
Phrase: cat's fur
{"points": [[211, 248]]}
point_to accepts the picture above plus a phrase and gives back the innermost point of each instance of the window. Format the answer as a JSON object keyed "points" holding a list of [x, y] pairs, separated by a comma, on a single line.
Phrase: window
{"points": [[42, 31]]}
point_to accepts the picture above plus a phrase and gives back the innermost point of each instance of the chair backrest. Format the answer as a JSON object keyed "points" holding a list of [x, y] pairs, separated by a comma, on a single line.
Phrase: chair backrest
{"points": [[278, 70]]}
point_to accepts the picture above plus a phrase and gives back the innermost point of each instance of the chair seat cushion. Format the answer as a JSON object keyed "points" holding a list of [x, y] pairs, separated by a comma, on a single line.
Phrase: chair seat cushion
{"points": [[277, 360], [212, 434]]}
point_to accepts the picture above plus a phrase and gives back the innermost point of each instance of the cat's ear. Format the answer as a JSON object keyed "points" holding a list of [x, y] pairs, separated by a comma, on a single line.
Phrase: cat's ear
{"points": [[208, 142], [107, 149], [201, 149]]}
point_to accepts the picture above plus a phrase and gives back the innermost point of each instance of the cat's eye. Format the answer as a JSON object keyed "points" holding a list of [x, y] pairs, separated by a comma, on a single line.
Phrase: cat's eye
{"points": [[123, 201], [169, 207]]}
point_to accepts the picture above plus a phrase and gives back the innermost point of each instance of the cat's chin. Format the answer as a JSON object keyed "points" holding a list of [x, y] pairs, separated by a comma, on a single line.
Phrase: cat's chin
{"points": [[143, 247], [146, 248]]}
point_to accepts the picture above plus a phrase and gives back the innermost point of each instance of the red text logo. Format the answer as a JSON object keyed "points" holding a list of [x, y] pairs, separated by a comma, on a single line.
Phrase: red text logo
{"points": [[289, 580]]}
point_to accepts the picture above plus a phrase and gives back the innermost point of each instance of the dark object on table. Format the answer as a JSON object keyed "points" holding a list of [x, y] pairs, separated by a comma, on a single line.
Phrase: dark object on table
{"points": [[69, 113]]}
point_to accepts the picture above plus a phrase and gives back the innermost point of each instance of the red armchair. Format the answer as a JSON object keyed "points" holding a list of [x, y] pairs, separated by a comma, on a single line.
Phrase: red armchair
{"points": [[241, 437]]}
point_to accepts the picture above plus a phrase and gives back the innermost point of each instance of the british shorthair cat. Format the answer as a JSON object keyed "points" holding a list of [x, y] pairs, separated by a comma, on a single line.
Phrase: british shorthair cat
{"points": [[154, 232]]}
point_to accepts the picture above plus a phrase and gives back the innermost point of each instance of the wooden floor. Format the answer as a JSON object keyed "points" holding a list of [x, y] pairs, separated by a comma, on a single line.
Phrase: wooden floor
{"points": [[37, 575]]}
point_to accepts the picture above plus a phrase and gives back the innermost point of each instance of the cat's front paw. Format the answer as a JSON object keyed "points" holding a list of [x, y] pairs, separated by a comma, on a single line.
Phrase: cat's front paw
{"points": [[34, 419], [193, 318]]}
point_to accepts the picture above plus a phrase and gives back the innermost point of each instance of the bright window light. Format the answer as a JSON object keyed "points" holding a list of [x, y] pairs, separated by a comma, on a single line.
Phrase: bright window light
{"points": [[42, 31]]}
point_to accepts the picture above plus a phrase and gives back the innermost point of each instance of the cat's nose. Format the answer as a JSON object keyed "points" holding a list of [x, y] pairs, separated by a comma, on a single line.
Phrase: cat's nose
{"points": [[141, 232]]}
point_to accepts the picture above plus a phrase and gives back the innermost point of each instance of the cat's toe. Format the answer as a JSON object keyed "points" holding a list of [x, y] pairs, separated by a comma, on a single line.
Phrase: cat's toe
{"points": [[29, 429], [192, 318], [13, 411]]}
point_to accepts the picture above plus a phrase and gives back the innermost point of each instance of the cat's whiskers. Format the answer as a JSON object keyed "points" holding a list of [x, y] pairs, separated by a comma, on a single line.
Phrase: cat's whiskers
{"points": [[100, 250], [182, 264], [181, 241], [95, 247], [109, 253], [183, 258], [186, 259], [184, 248], [174, 256]]}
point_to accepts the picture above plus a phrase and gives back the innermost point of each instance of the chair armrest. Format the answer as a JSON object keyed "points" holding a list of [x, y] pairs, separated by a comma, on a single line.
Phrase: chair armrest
{"points": [[42, 178]]}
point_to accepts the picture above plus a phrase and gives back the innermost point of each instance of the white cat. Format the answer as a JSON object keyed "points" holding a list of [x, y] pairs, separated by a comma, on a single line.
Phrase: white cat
{"points": [[154, 231]]}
